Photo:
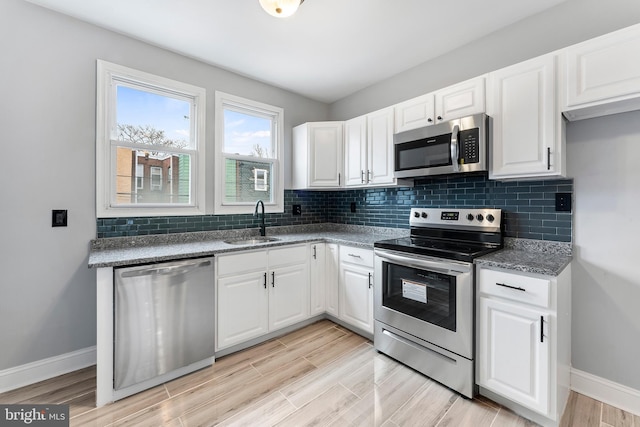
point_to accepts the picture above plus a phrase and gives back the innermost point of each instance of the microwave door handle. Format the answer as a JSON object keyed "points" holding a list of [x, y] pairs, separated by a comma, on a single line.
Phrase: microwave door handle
{"points": [[454, 149]]}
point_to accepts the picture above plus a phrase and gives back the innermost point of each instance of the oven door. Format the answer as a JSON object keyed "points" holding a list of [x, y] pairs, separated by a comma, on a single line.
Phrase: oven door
{"points": [[426, 297]]}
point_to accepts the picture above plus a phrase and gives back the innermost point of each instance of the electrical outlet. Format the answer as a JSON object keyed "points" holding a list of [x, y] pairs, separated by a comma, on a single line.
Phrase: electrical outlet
{"points": [[563, 202], [352, 207], [59, 218], [297, 210]]}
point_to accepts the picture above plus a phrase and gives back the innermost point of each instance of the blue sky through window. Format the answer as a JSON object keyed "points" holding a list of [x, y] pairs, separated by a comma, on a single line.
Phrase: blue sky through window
{"points": [[243, 131], [141, 108]]}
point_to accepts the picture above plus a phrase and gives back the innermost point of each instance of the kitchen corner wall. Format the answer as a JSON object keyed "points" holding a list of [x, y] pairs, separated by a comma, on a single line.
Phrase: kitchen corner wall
{"points": [[528, 206]]}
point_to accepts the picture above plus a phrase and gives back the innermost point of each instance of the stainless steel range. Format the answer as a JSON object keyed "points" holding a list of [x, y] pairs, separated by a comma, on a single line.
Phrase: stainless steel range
{"points": [[424, 292]]}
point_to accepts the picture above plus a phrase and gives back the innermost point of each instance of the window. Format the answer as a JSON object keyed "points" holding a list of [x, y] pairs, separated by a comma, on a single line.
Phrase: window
{"points": [[260, 182], [249, 155], [139, 177], [151, 129], [156, 178]]}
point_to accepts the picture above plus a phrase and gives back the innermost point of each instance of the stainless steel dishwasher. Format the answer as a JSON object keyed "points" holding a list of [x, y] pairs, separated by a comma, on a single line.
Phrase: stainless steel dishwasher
{"points": [[164, 319]]}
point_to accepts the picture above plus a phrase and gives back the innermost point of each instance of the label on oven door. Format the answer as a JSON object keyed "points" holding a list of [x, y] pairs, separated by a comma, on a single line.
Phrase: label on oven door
{"points": [[414, 290]]}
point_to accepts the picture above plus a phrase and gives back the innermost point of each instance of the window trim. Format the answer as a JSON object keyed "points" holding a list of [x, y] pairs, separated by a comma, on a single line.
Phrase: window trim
{"points": [[106, 74], [277, 178]]}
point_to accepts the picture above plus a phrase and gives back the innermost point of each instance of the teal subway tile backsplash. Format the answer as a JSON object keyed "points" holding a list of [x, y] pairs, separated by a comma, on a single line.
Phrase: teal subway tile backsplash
{"points": [[528, 208]]}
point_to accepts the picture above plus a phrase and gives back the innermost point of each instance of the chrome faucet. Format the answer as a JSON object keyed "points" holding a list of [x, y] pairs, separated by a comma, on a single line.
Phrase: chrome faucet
{"points": [[263, 231]]}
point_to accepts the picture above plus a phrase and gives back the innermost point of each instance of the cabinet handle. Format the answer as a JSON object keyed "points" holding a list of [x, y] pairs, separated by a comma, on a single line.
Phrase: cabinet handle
{"points": [[548, 158], [369, 176], [273, 279], [541, 328], [517, 288], [265, 280], [355, 256], [314, 252], [362, 177], [370, 281], [339, 179]]}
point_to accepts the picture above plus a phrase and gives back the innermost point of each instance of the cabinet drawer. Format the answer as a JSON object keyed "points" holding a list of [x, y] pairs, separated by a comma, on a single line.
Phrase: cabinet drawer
{"points": [[241, 262], [288, 255], [530, 290], [358, 256]]}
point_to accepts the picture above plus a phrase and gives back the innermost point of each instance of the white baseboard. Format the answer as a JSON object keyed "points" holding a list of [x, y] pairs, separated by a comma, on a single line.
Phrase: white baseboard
{"points": [[31, 373], [614, 394]]}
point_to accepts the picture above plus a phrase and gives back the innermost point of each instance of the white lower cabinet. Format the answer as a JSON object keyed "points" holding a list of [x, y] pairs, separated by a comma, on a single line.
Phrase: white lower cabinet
{"points": [[515, 357], [317, 273], [356, 287], [332, 278], [242, 308], [524, 341], [259, 292]]}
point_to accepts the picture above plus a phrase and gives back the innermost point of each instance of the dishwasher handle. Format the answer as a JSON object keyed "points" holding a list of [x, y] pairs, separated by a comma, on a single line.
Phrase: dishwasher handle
{"points": [[165, 270]]}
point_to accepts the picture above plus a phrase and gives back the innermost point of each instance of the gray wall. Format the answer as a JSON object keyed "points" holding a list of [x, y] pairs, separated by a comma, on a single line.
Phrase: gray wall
{"points": [[569, 23], [602, 156], [47, 125]]}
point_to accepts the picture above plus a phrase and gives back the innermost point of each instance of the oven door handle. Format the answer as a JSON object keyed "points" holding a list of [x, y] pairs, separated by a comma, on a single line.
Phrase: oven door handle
{"points": [[434, 266]]}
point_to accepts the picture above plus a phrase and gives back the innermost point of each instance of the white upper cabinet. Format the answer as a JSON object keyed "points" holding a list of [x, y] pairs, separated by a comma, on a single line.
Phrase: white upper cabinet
{"points": [[528, 130], [380, 147], [602, 75], [415, 113], [355, 151], [459, 100], [317, 160], [368, 148]]}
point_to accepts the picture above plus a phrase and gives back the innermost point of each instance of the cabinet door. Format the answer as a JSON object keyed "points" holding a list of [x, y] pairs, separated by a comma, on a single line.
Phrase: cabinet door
{"points": [[355, 151], [332, 277], [521, 101], [356, 296], [288, 295], [380, 147], [241, 308], [325, 154], [317, 279], [414, 113], [460, 100], [513, 353], [604, 68]]}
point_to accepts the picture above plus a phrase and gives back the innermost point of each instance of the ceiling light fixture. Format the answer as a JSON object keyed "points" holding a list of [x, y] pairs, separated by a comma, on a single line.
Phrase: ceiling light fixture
{"points": [[280, 8]]}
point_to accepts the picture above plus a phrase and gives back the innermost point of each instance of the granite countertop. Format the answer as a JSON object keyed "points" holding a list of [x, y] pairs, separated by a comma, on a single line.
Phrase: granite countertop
{"points": [[529, 256], [524, 255], [122, 251]]}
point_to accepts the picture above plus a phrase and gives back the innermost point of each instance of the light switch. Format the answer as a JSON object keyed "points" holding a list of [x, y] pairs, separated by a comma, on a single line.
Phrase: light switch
{"points": [[59, 218]]}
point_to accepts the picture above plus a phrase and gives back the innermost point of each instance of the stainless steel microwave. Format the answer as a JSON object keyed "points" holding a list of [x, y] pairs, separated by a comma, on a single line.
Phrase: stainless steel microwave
{"points": [[456, 146]]}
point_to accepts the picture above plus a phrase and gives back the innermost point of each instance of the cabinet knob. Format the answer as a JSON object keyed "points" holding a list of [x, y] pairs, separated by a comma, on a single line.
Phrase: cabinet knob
{"points": [[430, 120], [439, 117]]}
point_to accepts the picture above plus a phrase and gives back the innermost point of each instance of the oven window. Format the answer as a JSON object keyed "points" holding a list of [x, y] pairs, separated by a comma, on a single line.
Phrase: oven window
{"points": [[421, 294], [423, 153]]}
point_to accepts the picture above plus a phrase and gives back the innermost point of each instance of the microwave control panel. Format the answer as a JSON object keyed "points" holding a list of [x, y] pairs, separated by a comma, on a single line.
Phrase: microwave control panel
{"points": [[470, 146]]}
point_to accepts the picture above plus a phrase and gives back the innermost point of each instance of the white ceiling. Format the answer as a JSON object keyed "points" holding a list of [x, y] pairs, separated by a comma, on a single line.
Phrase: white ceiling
{"points": [[328, 50]]}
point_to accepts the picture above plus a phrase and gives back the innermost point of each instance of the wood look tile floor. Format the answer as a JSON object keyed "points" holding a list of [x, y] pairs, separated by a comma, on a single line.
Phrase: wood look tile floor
{"points": [[321, 375]]}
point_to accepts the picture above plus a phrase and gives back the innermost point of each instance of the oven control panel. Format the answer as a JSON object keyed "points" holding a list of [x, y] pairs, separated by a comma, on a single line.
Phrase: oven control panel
{"points": [[477, 219]]}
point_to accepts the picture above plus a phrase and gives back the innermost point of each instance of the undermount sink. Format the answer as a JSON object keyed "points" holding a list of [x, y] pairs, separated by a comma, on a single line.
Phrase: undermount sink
{"points": [[251, 240]]}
